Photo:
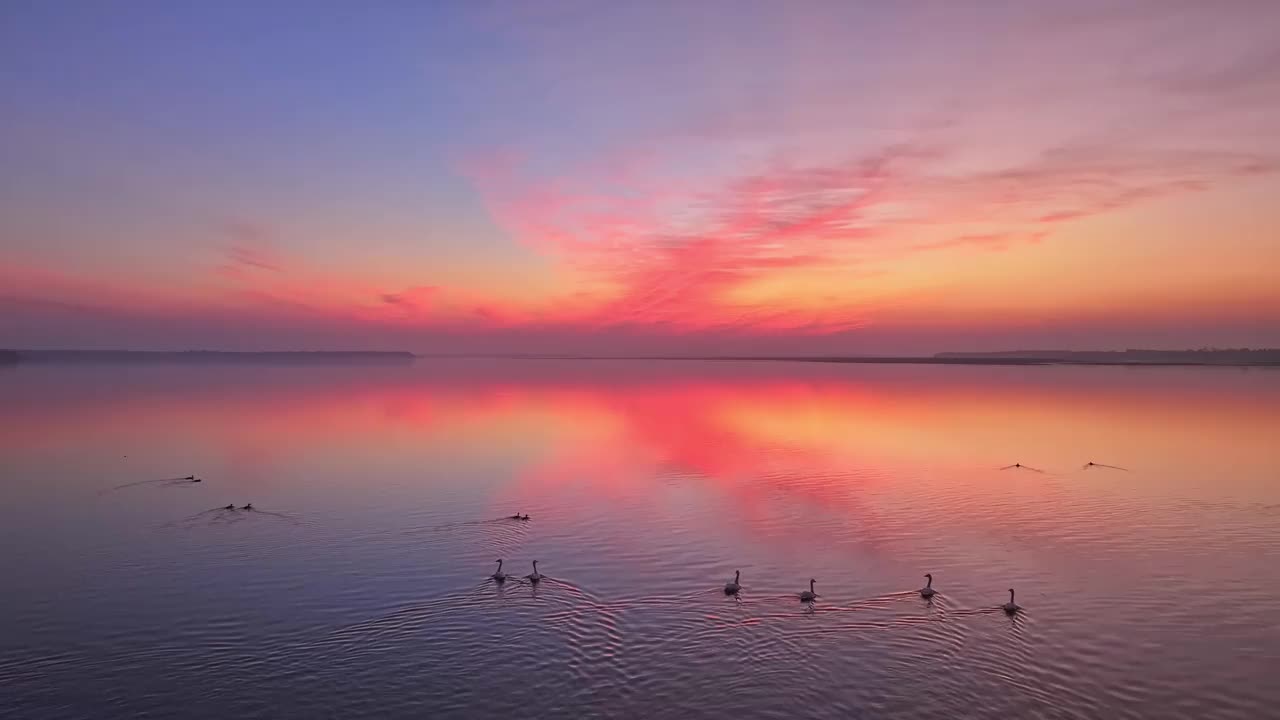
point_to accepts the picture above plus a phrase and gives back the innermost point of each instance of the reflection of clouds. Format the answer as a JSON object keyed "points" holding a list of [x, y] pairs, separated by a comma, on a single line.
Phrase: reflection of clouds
{"points": [[764, 448], [738, 426]]}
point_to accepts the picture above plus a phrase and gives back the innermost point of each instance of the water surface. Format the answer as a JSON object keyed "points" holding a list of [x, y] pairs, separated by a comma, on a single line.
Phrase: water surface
{"points": [[358, 586]]}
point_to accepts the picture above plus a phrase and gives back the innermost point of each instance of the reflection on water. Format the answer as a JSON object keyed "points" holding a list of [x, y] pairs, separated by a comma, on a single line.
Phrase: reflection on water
{"points": [[358, 583]]}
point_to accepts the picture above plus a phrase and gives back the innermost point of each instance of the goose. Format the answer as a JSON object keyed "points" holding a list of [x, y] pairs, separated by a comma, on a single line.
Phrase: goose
{"points": [[514, 517], [498, 574], [1020, 466], [229, 507], [190, 477], [535, 576], [927, 591], [809, 595], [526, 517], [247, 506], [1011, 607], [732, 588]]}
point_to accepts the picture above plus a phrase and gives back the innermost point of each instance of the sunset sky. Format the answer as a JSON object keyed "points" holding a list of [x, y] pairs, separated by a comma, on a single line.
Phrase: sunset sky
{"points": [[782, 177]]}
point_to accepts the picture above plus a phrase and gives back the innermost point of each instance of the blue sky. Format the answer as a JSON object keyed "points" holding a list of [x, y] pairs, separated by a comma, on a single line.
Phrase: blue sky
{"points": [[855, 176]]}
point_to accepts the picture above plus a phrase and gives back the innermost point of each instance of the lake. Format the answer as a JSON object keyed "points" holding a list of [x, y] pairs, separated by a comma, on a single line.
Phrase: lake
{"points": [[359, 583]]}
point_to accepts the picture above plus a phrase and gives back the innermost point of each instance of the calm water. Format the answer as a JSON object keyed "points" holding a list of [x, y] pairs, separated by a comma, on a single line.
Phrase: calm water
{"points": [[358, 587]]}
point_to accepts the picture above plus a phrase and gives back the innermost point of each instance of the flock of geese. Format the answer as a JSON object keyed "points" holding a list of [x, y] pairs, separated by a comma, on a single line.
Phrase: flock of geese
{"points": [[534, 577], [734, 586], [1087, 466], [228, 506]]}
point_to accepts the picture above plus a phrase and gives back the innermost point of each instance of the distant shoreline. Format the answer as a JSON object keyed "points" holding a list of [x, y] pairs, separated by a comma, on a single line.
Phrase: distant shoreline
{"points": [[201, 357], [1129, 358], [873, 360]]}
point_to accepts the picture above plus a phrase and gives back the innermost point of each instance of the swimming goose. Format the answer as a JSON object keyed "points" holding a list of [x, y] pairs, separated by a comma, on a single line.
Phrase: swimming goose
{"points": [[809, 595], [535, 576], [1011, 607], [499, 575], [189, 477], [514, 517], [732, 588], [247, 506], [927, 591], [526, 517], [229, 507], [1020, 466]]}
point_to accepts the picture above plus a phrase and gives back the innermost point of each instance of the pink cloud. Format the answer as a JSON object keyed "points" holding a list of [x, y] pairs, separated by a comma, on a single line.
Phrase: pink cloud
{"points": [[249, 251], [995, 242], [675, 251], [411, 301], [242, 256]]}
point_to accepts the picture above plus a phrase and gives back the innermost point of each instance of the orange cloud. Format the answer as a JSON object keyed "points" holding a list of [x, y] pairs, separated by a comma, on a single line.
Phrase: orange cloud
{"points": [[683, 255]]}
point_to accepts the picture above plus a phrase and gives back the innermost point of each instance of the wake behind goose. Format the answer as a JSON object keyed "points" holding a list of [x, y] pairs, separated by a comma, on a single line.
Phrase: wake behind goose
{"points": [[1090, 465], [497, 537], [185, 480]]}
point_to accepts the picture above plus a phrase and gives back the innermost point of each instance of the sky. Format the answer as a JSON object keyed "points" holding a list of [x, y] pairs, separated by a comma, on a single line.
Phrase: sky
{"points": [[623, 178]]}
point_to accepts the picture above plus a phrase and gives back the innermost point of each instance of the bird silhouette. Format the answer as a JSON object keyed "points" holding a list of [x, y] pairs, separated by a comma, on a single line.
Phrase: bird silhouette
{"points": [[1020, 466]]}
